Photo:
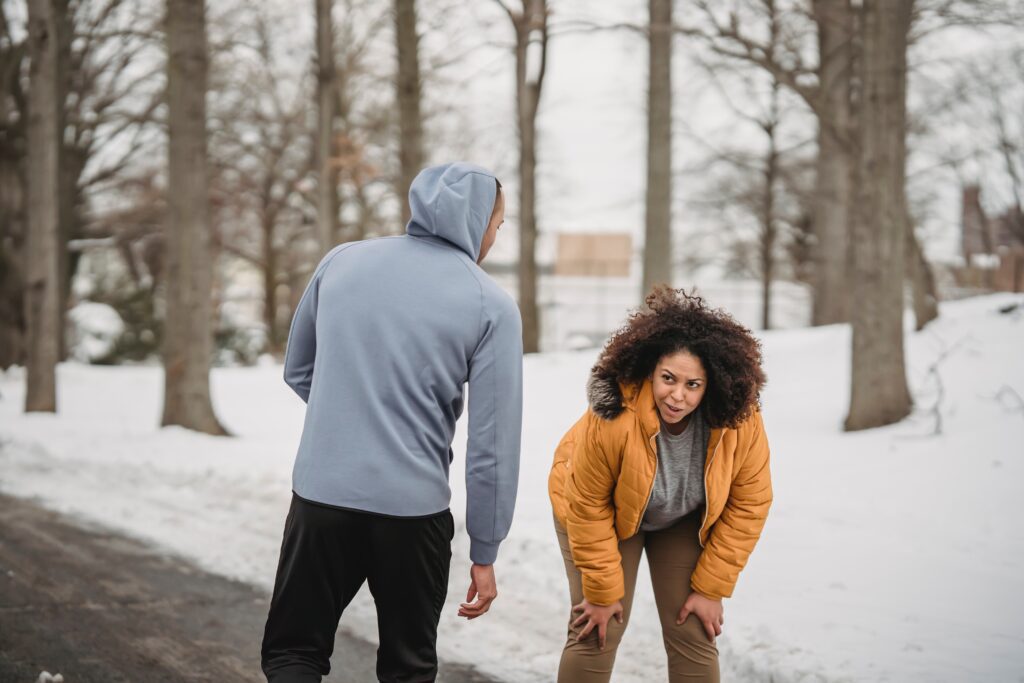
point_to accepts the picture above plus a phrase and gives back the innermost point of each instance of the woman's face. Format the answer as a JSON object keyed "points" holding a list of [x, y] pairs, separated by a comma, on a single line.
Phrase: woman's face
{"points": [[679, 383]]}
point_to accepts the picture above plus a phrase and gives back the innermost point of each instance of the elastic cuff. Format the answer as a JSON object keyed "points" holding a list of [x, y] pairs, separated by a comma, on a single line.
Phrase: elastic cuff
{"points": [[482, 552]]}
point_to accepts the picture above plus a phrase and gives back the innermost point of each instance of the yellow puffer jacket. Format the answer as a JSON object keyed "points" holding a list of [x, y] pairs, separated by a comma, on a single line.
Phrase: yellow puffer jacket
{"points": [[602, 477]]}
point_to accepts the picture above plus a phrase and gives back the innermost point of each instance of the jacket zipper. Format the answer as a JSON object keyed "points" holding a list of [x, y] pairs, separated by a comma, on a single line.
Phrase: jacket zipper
{"points": [[707, 469], [654, 449]]}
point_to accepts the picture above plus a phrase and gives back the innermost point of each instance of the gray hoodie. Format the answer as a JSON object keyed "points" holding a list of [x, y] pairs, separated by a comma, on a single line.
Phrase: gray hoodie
{"points": [[385, 338]]}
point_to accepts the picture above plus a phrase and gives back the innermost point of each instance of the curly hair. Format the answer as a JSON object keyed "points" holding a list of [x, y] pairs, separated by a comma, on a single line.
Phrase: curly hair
{"points": [[674, 320]]}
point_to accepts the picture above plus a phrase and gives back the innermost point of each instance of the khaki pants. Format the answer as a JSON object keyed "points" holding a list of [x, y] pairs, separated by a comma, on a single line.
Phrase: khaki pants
{"points": [[672, 555]]}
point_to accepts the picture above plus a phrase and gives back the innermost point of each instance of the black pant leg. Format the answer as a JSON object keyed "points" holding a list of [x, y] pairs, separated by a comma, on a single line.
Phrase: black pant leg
{"points": [[408, 576], [321, 568]]}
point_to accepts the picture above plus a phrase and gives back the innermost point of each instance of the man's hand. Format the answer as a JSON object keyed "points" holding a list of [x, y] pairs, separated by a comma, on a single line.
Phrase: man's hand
{"points": [[483, 587], [596, 615], [710, 612]]}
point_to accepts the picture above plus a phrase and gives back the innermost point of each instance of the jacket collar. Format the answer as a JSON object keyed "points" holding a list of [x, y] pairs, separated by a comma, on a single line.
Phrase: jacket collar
{"points": [[608, 399]]}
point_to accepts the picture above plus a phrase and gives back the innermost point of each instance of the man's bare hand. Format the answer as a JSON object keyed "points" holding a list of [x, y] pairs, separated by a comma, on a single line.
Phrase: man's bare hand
{"points": [[483, 587]]}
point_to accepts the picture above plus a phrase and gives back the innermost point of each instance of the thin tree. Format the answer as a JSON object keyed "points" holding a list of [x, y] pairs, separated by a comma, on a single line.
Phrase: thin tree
{"points": [[42, 277], [13, 194], [531, 49], [263, 157], [762, 181], [107, 109], [326, 97], [878, 388], [925, 297], [187, 335], [837, 160], [830, 97], [364, 125], [658, 200], [769, 226], [409, 86]]}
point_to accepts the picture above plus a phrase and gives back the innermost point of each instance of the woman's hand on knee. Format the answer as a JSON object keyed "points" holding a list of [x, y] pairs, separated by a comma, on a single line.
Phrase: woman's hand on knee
{"points": [[710, 612], [596, 616]]}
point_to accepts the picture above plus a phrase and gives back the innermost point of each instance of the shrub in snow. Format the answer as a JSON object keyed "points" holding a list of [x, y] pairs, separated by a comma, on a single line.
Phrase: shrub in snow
{"points": [[143, 329], [238, 345], [93, 331]]}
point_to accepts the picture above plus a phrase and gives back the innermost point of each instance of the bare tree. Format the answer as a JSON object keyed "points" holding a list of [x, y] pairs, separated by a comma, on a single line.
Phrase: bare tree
{"points": [[658, 203], [878, 391], [327, 173], [13, 115], [108, 116], [42, 278], [366, 137], [761, 185], [409, 85], [922, 280], [530, 24], [769, 220], [187, 335], [112, 103], [261, 160], [827, 89], [837, 160]]}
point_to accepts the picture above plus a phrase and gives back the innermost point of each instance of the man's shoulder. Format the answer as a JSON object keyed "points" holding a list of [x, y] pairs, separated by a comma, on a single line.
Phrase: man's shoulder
{"points": [[499, 304]]}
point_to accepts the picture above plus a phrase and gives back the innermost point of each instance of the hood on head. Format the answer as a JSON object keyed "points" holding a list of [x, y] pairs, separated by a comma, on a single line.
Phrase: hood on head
{"points": [[453, 202]]}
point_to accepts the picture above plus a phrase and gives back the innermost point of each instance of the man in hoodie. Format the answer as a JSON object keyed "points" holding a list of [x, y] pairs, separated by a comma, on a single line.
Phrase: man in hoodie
{"points": [[383, 341]]}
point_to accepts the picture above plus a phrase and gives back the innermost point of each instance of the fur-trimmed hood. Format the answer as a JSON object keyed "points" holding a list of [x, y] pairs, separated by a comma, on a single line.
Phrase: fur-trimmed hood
{"points": [[604, 394]]}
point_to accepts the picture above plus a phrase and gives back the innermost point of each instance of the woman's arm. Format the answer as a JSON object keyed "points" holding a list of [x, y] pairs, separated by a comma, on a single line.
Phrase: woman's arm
{"points": [[739, 527], [590, 519]]}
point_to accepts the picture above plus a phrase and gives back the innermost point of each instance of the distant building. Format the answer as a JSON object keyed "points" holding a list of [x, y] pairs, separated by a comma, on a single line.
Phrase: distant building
{"points": [[993, 248]]}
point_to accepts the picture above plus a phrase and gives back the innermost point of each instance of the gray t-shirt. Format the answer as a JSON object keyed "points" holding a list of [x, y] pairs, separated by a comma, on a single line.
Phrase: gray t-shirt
{"points": [[679, 483]]}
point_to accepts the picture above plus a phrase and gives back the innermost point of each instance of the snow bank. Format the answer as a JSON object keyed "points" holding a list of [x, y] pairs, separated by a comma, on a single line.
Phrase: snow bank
{"points": [[889, 555]]}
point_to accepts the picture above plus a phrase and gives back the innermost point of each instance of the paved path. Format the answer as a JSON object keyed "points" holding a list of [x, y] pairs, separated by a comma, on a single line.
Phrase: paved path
{"points": [[101, 608]]}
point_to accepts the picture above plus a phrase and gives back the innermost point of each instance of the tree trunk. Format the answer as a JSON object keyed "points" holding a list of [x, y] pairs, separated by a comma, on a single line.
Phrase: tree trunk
{"points": [[270, 280], [13, 195], [878, 388], [71, 163], [769, 231], [12, 258], [658, 224], [409, 87], [187, 335], [42, 277], [922, 280], [326, 91], [531, 27], [836, 163]]}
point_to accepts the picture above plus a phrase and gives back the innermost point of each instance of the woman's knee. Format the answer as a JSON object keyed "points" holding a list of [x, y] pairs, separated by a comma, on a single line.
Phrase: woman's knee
{"points": [[689, 650], [590, 643], [584, 661]]}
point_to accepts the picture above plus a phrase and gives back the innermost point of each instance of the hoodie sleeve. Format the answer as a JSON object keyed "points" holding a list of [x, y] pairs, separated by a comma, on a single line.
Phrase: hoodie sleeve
{"points": [[300, 352], [495, 422]]}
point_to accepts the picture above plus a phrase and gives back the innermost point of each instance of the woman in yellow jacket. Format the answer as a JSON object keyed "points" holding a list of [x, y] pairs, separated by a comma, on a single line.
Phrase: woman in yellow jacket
{"points": [[670, 459]]}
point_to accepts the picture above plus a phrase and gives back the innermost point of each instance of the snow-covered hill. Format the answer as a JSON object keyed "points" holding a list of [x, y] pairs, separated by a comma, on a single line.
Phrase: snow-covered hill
{"points": [[890, 555]]}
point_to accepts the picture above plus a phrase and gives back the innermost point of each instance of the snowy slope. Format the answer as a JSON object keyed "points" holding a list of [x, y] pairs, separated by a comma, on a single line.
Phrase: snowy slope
{"points": [[889, 555]]}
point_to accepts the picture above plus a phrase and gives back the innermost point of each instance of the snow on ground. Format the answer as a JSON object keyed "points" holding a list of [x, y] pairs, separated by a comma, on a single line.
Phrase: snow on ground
{"points": [[889, 555]]}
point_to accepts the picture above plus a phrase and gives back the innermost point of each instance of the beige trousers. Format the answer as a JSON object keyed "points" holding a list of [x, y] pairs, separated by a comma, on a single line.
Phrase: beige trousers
{"points": [[672, 556]]}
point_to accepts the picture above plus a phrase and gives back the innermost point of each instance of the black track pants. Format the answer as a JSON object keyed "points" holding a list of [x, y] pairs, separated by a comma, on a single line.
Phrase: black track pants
{"points": [[326, 555]]}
